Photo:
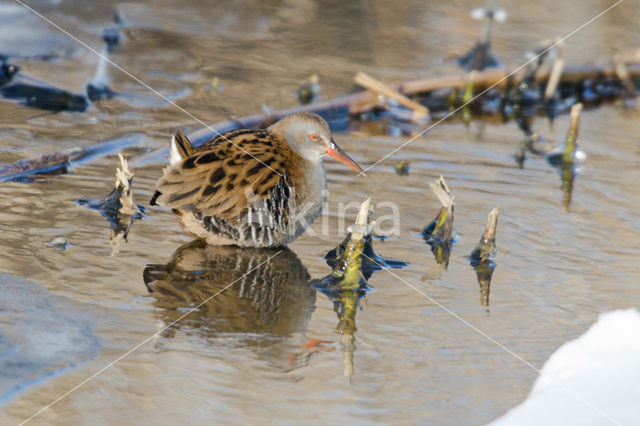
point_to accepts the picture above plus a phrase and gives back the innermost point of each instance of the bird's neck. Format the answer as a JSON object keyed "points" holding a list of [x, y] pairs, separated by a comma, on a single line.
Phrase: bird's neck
{"points": [[308, 176]]}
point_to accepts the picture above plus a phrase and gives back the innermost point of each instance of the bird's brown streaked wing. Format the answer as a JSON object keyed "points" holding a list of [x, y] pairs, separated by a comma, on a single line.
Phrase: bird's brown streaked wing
{"points": [[222, 180]]}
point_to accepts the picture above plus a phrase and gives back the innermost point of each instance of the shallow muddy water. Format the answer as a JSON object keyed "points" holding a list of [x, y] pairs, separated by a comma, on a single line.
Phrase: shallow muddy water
{"points": [[245, 357]]}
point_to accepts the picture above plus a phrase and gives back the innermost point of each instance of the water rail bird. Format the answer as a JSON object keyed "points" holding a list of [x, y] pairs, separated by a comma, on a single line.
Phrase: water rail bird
{"points": [[251, 187]]}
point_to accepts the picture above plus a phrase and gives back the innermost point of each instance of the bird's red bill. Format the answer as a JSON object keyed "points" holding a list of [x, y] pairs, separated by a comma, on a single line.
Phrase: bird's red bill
{"points": [[334, 151]]}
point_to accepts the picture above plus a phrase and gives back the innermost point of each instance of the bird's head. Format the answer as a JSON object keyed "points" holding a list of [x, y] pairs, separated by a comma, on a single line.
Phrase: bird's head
{"points": [[310, 136]]}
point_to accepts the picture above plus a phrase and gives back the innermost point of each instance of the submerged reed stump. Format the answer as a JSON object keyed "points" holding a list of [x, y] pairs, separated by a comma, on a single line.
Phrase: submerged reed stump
{"points": [[439, 233], [568, 157]]}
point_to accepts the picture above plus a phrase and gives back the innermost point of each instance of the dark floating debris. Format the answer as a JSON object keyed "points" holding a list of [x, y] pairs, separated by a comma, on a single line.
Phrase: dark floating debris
{"points": [[7, 71], [309, 91], [402, 167], [111, 36], [119, 206], [481, 258], [439, 233], [568, 157], [37, 94], [353, 263], [98, 92], [45, 97], [480, 56], [58, 162], [49, 164]]}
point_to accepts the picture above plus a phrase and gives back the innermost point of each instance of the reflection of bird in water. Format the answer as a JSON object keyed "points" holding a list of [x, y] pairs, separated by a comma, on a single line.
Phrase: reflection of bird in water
{"points": [[269, 303], [252, 188]]}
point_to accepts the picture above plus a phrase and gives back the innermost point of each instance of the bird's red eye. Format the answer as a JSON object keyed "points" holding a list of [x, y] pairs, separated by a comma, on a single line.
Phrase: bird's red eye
{"points": [[314, 136]]}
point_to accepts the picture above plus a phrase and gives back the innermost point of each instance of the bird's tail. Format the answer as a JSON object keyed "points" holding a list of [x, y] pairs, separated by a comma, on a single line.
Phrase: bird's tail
{"points": [[180, 148]]}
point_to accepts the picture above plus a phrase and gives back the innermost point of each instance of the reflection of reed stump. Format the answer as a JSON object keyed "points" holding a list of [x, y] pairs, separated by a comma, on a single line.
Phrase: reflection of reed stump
{"points": [[567, 175], [353, 262], [484, 271], [273, 298], [481, 257], [346, 285]]}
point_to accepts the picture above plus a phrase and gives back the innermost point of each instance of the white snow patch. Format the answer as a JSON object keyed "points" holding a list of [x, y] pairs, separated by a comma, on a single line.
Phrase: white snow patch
{"points": [[593, 380]]}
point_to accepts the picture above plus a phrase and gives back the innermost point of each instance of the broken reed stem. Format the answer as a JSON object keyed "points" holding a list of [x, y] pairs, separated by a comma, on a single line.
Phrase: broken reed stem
{"points": [[572, 134], [444, 221], [361, 228], [352, 256], [492, 224], [556, 72], [622, 71], [487, 243], [123, 174], [629, 57], [124, 178], [441, 191], [419, 111], [439, 232]]}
